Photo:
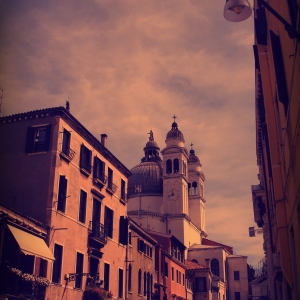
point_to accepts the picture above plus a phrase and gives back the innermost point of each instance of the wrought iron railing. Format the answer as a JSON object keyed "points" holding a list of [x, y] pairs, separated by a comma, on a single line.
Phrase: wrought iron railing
{"points": [[101, 177], [112, 187], [66, 151], [98, 231]]}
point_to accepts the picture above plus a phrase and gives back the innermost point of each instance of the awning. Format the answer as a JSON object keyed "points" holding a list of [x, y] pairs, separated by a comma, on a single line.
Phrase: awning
{"points": [[30, 244]]}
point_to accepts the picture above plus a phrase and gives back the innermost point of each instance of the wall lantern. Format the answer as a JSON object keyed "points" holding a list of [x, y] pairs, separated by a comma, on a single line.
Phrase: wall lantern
{"points": [[240, 10]]}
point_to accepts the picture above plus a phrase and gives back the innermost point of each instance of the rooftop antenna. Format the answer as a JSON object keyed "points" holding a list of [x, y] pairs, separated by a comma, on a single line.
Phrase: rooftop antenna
{"points": [[1, 96]]}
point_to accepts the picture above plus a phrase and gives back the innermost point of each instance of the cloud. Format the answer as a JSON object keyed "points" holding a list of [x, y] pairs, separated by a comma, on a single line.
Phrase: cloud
{"points": [[127, 68]]}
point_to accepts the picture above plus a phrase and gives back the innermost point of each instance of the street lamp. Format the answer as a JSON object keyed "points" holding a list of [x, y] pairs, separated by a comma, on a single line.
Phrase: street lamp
{"points": [[240, 10], [237, 10]]}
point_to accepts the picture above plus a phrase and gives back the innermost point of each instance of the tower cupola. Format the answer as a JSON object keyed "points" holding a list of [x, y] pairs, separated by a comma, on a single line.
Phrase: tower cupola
{"points": [[175, 136]]}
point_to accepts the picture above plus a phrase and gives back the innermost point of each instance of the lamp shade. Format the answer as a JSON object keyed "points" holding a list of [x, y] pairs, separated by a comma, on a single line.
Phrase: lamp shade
{"points": [[237, 10]]}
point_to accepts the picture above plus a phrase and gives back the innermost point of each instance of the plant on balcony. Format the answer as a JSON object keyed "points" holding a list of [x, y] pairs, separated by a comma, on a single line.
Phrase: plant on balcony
{"points": [[28, 286], [93, 293]]}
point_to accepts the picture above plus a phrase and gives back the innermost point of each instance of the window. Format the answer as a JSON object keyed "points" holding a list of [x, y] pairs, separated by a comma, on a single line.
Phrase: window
{"points": [[172, 274], [108, 221], [176, 165], [99, 170], [166, 269], [62, 193], [129, 278], [145, 284], [120, 288], [56, 272], [123, 194], [214, 265], [66, 142], [38, 139], [200, 284], [79, 270], [150, 253], [237, 296], [279, 70], [140, 282], [183, 281], [123, 230], [169, 166], [106, 276], [85, 159], [82, 206], [110, 179], [194, 188], [141, 245], [236, 275]]}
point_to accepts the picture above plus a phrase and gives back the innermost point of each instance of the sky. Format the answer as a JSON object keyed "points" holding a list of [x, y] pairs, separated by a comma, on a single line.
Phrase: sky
{"points": [[127, 66]]}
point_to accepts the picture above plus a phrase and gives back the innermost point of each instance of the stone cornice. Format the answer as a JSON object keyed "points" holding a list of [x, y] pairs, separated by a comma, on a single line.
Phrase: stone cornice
{"points": [[175, 149]]}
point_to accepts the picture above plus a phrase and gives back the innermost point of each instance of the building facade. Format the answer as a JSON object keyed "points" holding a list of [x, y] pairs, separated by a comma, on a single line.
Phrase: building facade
{"points": [[56, 171], [276, 198]]}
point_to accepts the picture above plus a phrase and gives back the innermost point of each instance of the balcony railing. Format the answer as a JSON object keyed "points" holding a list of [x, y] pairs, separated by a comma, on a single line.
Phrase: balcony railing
{"points": [[98, 232], [100, 179], [111, 187], [67, 153]]}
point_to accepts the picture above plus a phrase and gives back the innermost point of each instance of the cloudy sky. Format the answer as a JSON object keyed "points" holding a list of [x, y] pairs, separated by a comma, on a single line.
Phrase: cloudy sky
{"points": [[127, 66]]}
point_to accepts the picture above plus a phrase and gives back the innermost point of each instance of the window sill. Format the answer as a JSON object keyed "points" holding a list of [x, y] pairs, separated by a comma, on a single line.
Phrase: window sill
{"points": [[37, 153], [65, 157], [85, 172]]}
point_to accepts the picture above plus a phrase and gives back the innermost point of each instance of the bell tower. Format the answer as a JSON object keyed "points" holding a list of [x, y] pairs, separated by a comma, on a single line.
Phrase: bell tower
{"points": [[175, 180], [196, 191]]}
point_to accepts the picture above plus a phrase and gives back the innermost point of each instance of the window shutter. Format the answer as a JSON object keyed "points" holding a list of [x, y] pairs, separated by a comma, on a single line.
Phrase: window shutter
{"points": [[96, 167], [29, 141], [89, 159], [123, 231], [279, 70], [62, 193], [82, 156]]}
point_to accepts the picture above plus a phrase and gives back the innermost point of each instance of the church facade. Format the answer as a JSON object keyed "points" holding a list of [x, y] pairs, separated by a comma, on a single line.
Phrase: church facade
{"points": [[166, 196]]}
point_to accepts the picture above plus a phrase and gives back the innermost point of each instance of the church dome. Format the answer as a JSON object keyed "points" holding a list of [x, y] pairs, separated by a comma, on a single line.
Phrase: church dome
{"points": [[193, 158], [146, 177], [175, 133]]}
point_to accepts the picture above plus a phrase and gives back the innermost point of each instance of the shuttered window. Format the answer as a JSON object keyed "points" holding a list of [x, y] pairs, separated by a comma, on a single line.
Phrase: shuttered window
{"points": [[62, 193]]}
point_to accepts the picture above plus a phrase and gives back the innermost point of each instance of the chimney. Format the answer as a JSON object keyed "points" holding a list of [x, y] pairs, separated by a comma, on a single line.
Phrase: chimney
{"points": [[207, 260], [103, 139]]}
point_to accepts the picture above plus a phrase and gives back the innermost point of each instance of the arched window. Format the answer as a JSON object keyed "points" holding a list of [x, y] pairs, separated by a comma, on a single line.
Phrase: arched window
{"points": [[176, 165], [145, 284], [129, 277], [169, 166], [189, 188], [194, 188], [140, 282], [214, 265]]}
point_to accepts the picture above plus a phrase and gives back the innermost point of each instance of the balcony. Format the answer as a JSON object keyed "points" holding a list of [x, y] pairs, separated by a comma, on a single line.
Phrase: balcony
{"points": [[111, 187], [100, 180], [67, 154], [97, 233]]}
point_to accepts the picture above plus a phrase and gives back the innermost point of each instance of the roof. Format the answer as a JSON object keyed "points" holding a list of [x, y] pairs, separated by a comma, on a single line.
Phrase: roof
{"points": [[208, 242], [67, 116], [191, 265]]}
